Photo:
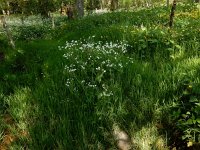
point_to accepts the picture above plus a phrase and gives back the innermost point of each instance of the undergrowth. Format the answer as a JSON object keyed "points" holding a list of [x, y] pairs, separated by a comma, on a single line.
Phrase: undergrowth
{"points": [[65, 88]]}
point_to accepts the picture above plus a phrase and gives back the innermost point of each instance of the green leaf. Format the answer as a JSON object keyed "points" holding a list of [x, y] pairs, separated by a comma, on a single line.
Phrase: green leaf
{"points": [[194, 121], [99, 77], [143, 45], [193, 99], [188, 113], [171, 41], [170, 49], [189, 122], [187, 136], [153, 40], [184, 116], [198, 104], [198, 120], [178, 47]]}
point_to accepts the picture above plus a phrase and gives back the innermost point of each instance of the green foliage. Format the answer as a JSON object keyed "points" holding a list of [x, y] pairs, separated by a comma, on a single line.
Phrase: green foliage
{"points": [[120, 68], [187, 7], [92, 5], [150, 43], [185, 114], [32, 32], [155, 16], [3, 44]]}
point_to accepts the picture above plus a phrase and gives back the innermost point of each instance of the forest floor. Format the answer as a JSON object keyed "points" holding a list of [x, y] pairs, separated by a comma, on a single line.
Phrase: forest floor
{"points": [[120, 80]]}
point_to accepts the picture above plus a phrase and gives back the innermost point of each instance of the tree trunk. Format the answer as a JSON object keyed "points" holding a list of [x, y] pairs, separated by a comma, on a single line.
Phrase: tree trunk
{"points": [[8, 32], [167, 2], [69, 12], [114, 5], [80, 8], [171, 19], [44, 8], [52, 21], [8, 11]]}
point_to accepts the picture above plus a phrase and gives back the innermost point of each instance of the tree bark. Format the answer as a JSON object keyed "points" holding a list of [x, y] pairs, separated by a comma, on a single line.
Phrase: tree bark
{"points": [[69, 12], [44, 8], [171, 19], [114, 5], [52, 21], [167, 2], [80, 8], [8, 32]]}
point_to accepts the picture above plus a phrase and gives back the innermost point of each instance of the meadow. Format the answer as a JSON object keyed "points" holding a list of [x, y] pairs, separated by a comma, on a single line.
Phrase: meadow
{"points": [[75, 85]]}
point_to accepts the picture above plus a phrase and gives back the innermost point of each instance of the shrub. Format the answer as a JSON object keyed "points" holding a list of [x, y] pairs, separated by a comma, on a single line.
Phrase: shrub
{"points": [[32, 32]]}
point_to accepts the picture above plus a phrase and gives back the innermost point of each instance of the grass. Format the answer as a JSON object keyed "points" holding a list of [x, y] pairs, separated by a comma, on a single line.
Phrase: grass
{"points": [[66, 88]]}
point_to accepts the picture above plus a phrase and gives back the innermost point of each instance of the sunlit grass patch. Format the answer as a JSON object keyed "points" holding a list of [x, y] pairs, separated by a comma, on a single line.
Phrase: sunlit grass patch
{"points": [[187, 70], [20, 107], [148, 138]]}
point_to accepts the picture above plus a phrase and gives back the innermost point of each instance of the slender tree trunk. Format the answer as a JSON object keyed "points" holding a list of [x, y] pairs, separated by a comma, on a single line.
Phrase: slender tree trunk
{"points": [[69, 12], [171, 19], [2, 11], [167, 2], [114, 5], [44, 8], [80, 8], [52, 21], [8, 32], [8, 5], [22, 18], [61, 10]]}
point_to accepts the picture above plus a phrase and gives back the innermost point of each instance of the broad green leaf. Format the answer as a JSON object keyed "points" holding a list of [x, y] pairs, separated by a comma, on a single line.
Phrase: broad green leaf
{"points": [[189, 122], [198, 120]]}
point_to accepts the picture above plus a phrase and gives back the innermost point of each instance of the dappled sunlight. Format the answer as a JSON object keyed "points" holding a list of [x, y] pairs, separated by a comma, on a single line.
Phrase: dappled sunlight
{"points": [[116, 80], [187, 69], [18, 118], [148, 138], [121, 138], [190, 63]]}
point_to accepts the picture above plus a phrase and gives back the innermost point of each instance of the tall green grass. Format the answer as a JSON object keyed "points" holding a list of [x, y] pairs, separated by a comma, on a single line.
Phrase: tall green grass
{"points": [[124, 68]]}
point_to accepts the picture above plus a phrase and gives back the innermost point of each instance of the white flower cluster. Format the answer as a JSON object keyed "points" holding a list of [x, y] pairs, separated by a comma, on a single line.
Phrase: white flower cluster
{"points": [[106, 48], [91, 61]]}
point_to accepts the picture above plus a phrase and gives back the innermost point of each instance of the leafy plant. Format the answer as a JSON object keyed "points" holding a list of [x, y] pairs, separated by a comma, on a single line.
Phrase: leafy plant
{"points": [[186, 114], [31, 32]]}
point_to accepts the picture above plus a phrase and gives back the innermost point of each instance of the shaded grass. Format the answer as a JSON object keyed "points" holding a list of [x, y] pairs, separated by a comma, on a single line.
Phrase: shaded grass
{"points": [[56, 116]]}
